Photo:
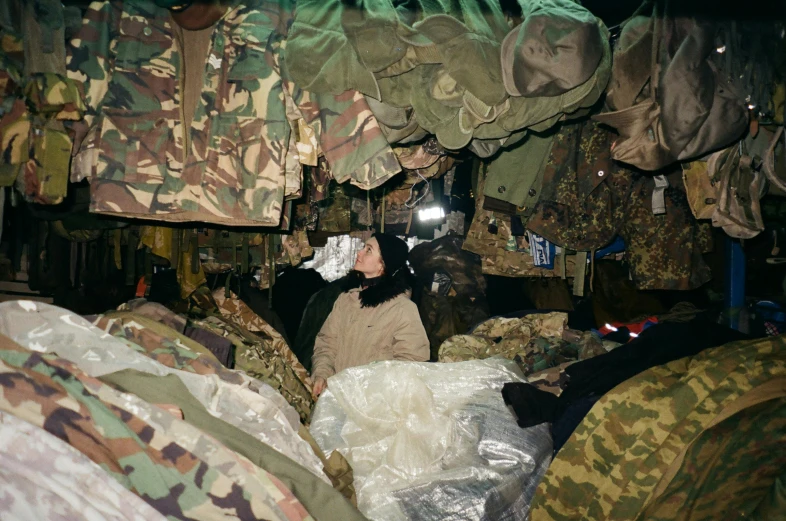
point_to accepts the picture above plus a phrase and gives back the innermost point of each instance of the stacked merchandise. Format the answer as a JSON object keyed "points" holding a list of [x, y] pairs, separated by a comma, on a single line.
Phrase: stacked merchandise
{"points": [[143, 410]]}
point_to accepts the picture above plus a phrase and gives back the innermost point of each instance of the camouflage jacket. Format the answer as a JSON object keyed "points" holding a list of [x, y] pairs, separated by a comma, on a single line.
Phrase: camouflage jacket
{"points": [[58, 481], [588, 199], [232, 308], [698, 438], [128, 448], [257, 359], [134, 151], [240, 156]]}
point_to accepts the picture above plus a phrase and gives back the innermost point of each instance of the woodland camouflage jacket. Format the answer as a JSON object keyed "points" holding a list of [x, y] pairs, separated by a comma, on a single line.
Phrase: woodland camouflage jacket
{"points": [[229, 167]]}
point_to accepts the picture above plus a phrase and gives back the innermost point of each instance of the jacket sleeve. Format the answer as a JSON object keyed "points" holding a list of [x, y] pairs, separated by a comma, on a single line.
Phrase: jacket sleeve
{"points": [[88, 62], [326, 345], [410, 341]]}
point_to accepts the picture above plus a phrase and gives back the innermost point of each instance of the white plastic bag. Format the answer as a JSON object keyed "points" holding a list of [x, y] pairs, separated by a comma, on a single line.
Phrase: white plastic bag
{"points": [[433, 441]]}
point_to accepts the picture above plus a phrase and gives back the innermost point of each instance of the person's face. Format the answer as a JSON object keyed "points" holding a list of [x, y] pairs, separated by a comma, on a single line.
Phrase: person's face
{"points": [[369, 260]]}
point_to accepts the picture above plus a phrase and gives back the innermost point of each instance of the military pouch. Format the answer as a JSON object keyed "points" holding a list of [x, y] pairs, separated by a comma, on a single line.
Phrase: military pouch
{"points": [[45, 176], [700, 189], [740, 187], [51, 94]]}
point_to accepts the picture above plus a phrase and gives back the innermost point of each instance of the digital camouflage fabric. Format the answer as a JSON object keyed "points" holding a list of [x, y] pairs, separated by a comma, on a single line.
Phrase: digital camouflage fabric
{"points": [[646, 448], [53, 394]]}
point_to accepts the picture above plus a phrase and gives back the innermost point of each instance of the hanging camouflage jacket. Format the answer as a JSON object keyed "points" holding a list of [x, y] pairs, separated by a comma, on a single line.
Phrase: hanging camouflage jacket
{"points": [[240, 156], [134, 152], [588, 199]]}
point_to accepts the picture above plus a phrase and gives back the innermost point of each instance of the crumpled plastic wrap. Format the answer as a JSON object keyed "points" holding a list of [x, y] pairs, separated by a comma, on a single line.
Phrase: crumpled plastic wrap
{"points": [[433, 442]]}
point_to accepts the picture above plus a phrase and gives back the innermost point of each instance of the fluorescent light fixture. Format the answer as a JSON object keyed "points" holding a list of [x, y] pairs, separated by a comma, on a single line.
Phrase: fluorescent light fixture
{"points": [[634, 335], [432, 213], [610, 327]]}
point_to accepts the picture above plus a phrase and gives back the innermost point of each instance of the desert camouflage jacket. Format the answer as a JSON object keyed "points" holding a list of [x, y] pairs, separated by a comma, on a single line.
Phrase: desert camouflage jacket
{"points": [[229, 166]]}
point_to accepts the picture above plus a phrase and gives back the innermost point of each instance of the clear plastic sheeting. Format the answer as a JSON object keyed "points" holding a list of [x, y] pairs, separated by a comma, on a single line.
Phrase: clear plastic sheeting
{"points": [[432, 442]]}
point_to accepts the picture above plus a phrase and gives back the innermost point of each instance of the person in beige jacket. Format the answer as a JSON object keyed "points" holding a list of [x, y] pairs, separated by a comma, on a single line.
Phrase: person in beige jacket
{"points": [[373, 319]]}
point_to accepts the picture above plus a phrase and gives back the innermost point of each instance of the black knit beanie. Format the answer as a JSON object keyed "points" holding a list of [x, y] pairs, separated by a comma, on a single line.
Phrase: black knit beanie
{"points": [[394, 252]]}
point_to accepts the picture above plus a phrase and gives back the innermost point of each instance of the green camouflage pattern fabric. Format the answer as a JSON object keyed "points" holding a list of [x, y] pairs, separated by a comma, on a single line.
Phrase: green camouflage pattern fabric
{"points": [[743, 451], [582, 201], [234, 309], [234, 173], [587, 200], [53, 394], [501, 253], [257, 361], [536, 342], [267, 493], [244, 156], [43, 477], [552, 380], [621, 455], [12, 60], [665, 251], [320, 179], [349, 136], [335, 211], [36, 98], [773, 506], [15, 128], [164, 345]]}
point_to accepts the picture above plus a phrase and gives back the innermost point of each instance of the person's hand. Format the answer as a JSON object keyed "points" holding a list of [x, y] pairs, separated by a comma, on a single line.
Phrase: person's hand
{"points": [[320, 384]]}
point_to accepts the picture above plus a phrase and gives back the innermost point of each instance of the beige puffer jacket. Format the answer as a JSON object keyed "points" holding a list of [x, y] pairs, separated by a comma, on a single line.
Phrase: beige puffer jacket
{"points": [[354, 335]]}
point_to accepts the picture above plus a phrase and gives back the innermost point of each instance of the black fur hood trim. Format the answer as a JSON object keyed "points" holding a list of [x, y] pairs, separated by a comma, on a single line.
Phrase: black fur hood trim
{"points": [[386, 289]]}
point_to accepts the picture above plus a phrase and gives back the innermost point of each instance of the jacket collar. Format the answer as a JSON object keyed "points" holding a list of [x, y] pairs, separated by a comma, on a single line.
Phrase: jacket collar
{"points": [[387, 288]]}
